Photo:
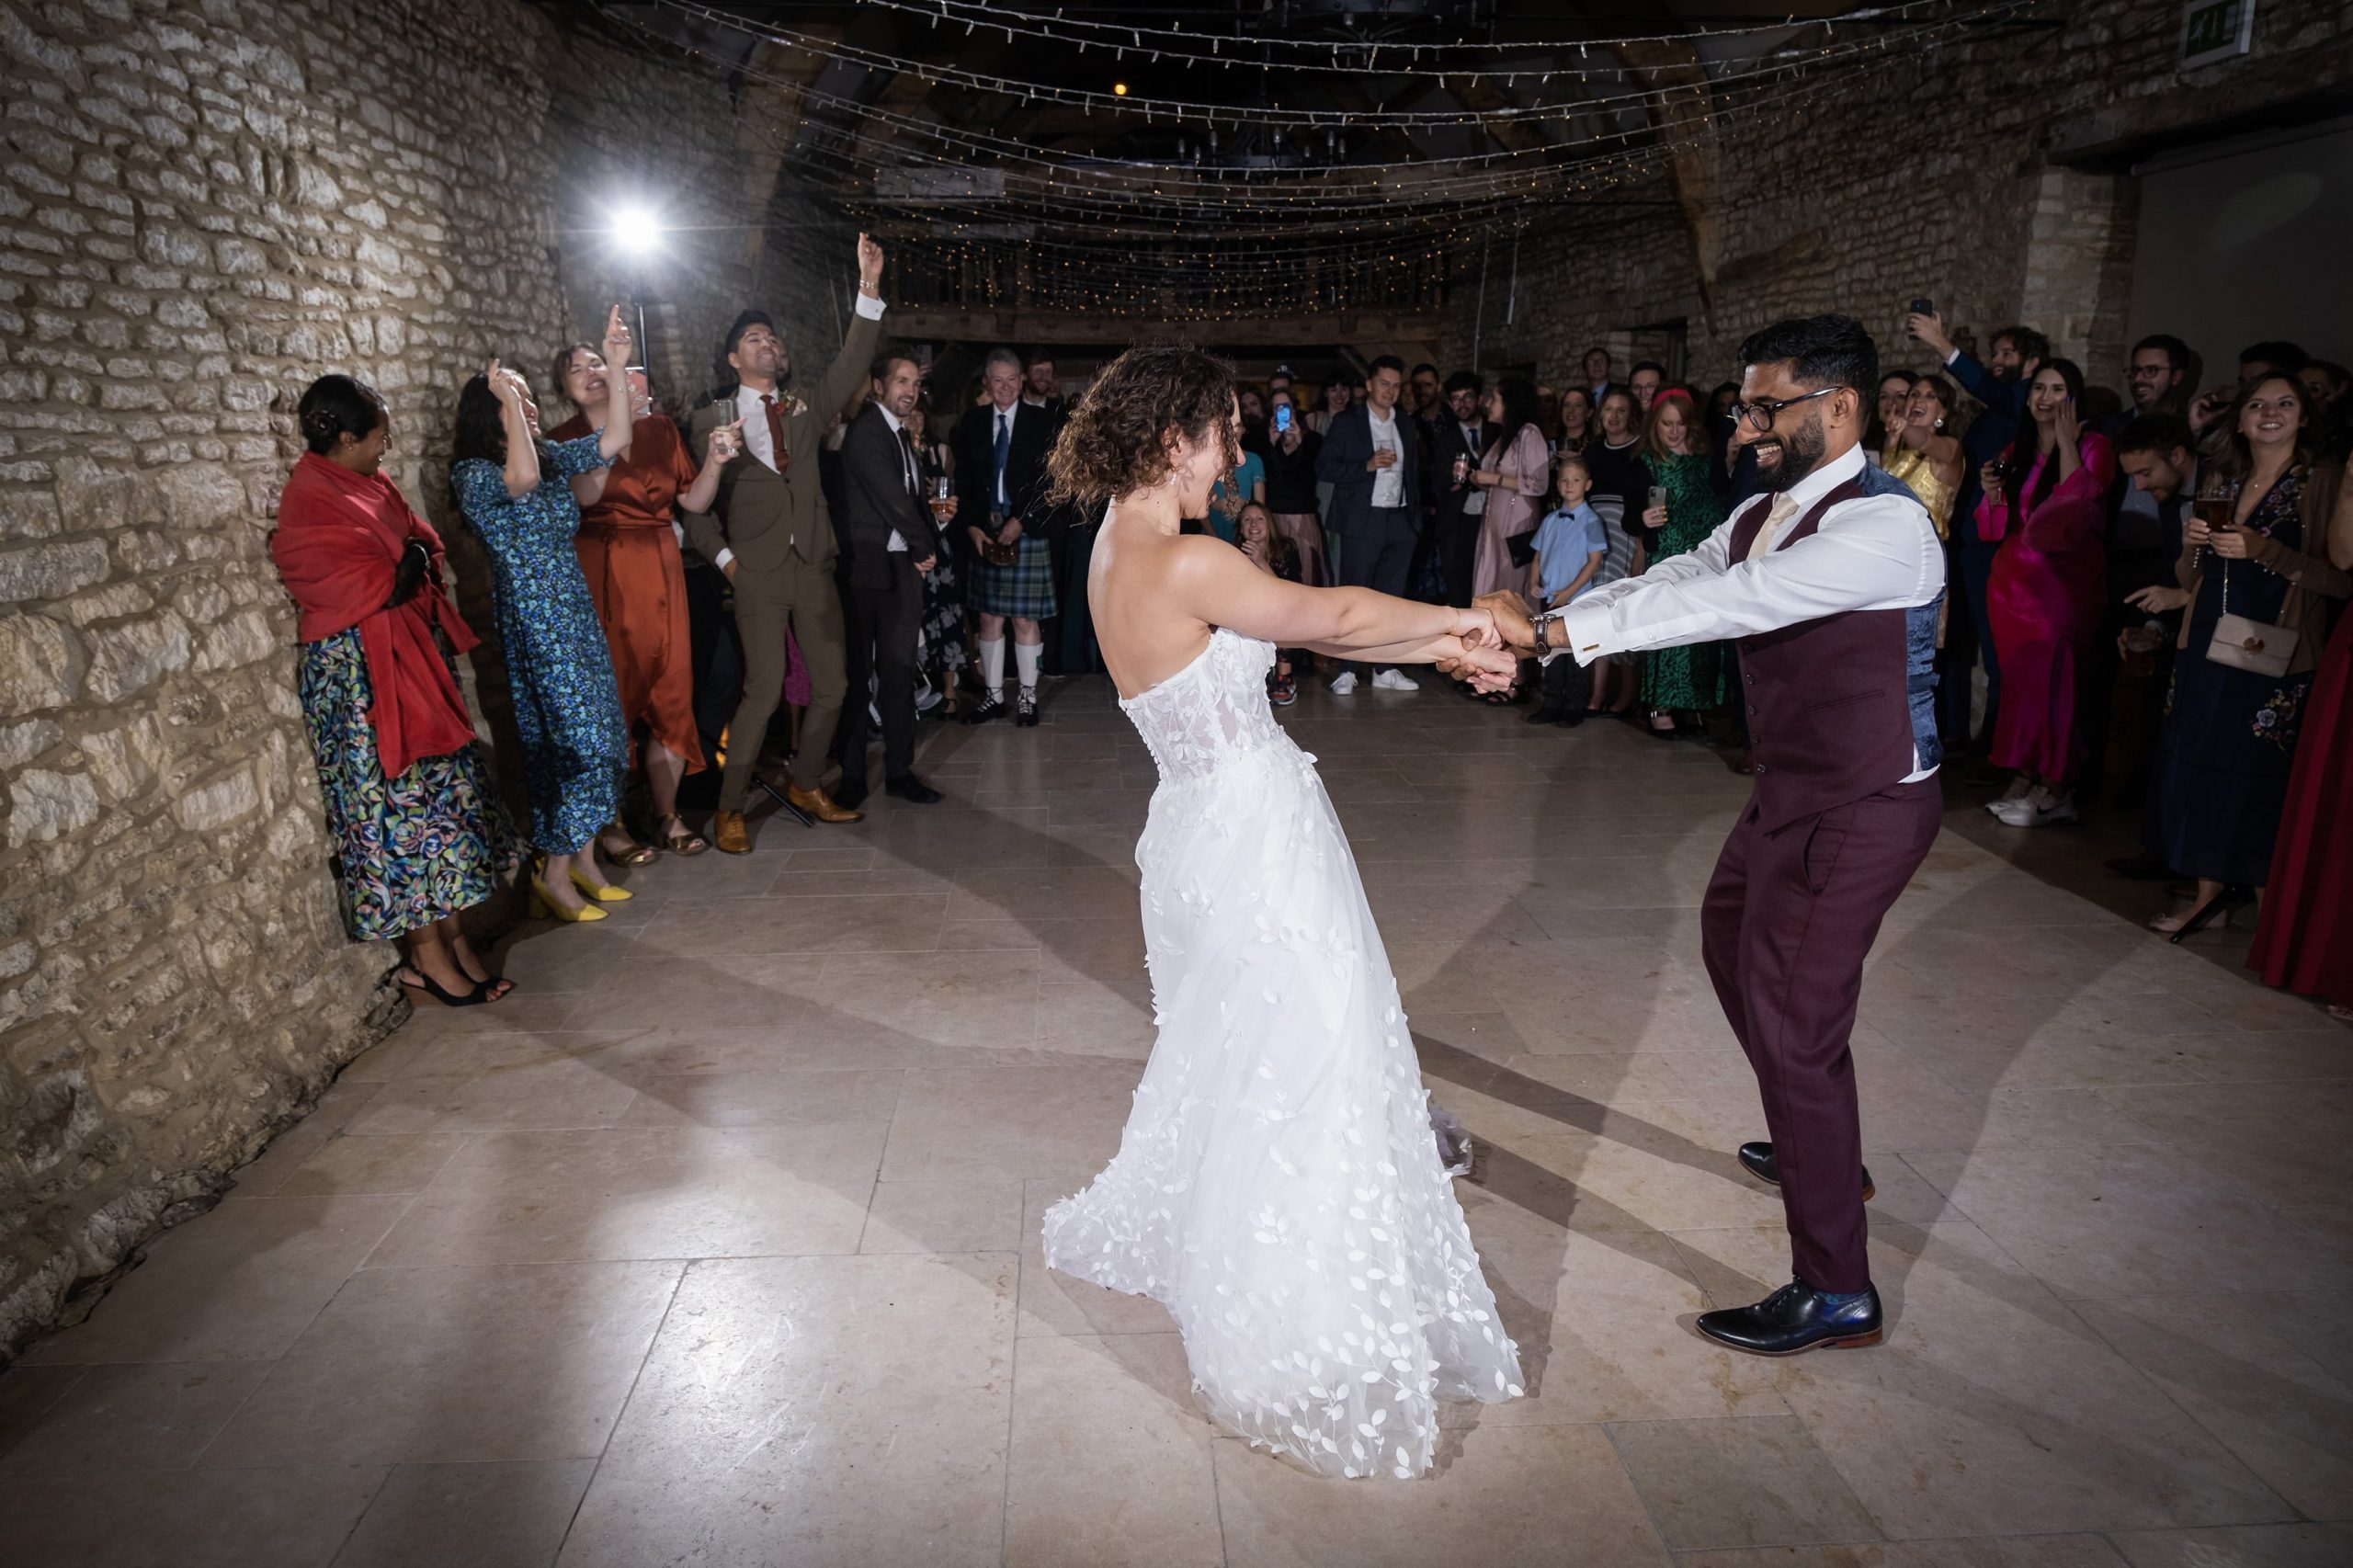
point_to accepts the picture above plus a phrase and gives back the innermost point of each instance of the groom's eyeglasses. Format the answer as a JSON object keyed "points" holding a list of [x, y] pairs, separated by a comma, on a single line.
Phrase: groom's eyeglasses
{"points": [[1760, 414]]}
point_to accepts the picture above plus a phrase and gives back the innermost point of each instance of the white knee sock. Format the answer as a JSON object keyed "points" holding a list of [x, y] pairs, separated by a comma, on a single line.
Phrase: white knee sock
{"points": [[992, 665], [1025, 660]]}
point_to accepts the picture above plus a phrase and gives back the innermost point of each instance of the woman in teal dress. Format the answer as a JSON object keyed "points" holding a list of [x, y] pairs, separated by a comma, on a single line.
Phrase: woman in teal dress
{"points": [[1688, 680], [515, 490], [418, 832]]}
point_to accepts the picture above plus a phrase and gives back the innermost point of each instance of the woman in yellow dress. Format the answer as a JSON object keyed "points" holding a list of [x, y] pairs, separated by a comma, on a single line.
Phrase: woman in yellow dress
{"points": [[1924, 451]]}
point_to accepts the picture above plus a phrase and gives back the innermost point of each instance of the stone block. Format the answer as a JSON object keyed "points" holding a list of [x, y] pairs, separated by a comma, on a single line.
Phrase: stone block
{"points": [[217, 804], [19, 743], [51, 570], [28, 514], [40, 664], [44, 805], [134, 655]]}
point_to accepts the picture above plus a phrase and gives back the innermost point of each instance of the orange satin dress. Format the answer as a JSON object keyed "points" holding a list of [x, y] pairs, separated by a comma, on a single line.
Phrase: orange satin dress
{"points": [[630, 559]]}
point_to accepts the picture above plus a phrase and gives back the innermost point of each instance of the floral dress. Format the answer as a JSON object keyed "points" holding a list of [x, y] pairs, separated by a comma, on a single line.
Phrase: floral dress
{"points": [[560, 672], [410, 849], [2228, 739], [1690, 677]]}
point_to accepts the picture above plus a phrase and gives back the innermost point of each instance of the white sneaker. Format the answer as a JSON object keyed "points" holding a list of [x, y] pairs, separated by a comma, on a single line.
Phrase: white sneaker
{"points": [[1394, 680], [2048, 807], [1345, 683], [2020, 786]]}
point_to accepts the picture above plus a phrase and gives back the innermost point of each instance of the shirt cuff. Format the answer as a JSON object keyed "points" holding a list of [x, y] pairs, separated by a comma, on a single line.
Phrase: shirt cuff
{"points": [[724, 557], [1583, 627], [1954, 355], [868, 306]]}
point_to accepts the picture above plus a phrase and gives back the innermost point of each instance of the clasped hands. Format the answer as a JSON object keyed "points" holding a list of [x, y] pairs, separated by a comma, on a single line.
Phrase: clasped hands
{"points": [[1495, 633]]}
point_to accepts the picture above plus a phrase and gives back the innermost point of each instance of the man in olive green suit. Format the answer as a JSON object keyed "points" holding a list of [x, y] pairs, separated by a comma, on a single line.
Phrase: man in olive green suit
{"points": [[769, 531]]}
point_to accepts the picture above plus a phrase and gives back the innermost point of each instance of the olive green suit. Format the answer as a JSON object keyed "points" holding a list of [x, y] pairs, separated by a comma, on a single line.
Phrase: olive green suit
{"points": [[783, 536]]}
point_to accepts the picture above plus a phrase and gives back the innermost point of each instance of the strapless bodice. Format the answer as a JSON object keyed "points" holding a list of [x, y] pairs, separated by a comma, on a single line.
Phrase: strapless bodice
{"points": [[1212, 711]]}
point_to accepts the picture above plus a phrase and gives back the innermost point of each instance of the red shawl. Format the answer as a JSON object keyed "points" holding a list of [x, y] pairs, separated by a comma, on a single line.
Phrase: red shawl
{"points": [[339, 536]]}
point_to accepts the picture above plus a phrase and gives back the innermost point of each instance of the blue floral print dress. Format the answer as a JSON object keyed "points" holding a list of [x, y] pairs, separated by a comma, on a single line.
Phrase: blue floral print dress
{"points": [[559, 670]]}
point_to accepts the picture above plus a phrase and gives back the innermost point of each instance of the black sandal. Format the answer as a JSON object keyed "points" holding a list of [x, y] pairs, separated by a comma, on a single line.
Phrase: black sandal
{"points": [[473, 998]]}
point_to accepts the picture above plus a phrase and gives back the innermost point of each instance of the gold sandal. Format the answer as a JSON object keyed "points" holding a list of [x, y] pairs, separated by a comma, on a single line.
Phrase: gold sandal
{"points": [[635, 855], [682, 840]]}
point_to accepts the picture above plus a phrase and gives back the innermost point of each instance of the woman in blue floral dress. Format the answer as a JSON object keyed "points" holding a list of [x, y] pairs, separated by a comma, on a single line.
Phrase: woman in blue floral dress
{"points": [[515, 490], [418, 832]]}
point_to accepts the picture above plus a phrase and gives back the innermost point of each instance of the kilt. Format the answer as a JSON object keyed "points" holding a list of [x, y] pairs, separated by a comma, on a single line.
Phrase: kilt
{"points": [[1025, 589]]}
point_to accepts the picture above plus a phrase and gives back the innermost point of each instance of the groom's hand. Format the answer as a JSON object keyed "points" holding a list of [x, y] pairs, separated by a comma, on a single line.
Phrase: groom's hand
{"points": [[1510, 613]]}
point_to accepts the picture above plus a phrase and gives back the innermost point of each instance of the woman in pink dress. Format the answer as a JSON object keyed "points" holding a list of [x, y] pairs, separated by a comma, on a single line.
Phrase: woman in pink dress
{"points": [[1513, 475], [2046, 500]]}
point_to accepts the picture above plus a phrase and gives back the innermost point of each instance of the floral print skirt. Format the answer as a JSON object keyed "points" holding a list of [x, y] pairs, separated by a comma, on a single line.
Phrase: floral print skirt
{"points": [[408, 850]]}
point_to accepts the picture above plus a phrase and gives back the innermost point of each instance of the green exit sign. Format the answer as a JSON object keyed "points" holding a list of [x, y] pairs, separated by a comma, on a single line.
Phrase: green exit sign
{"points": [[2215, 30]]}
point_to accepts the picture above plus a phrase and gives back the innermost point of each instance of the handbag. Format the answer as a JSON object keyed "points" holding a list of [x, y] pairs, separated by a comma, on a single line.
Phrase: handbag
{"points": [[2257, 647]]}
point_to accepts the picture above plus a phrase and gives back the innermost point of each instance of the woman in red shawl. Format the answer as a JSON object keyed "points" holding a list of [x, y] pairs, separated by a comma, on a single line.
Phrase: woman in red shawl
{"points": [[629, 553], [419, 834]]}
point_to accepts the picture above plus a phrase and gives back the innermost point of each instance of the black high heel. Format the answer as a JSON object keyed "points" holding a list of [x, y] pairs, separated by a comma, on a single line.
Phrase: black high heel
{"points": [[2222, 904], [432, 987]]}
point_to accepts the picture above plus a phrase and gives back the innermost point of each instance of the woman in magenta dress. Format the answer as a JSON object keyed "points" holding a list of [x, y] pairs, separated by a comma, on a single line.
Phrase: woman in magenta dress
{"points": [[2046, 500], [2304, 940]]}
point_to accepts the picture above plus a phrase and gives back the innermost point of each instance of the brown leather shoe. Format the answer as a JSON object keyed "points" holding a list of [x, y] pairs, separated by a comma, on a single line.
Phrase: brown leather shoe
{"points": [[729, 833], [818, 804]]}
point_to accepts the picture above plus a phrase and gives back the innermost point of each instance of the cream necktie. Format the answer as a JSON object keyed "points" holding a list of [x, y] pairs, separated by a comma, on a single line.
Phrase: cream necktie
{"points": [[1783, 508]]}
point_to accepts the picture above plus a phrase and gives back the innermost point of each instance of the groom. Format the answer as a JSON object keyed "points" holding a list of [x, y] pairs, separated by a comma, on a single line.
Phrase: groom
{"points": [[1830, 581]]}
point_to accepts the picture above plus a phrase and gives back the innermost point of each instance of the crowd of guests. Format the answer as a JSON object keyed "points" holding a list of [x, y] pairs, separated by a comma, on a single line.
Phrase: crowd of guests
{"points": [[2142, 586]]}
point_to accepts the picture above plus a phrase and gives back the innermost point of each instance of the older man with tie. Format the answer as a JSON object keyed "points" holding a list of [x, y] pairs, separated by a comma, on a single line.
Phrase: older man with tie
{"points": [[1831, 580], [770, 532], [1000, 450]]}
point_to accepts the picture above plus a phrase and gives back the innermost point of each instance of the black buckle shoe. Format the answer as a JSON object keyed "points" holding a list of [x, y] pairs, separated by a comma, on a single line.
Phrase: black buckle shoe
{"points": [[1794, 1319], [989, 706], [1756, 1159], [1026, 716]]}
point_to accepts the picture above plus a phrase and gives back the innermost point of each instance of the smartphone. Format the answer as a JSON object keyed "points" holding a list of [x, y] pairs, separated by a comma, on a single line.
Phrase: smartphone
{"points": [[1282, 418], [640, 391], [1658, 496], [1924, 306]]}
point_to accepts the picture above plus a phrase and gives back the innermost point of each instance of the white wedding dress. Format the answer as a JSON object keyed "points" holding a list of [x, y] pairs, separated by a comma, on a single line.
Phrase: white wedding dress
{"points": [[1277, 1187]]}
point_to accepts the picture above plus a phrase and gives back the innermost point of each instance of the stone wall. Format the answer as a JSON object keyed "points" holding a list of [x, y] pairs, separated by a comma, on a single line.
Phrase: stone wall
{"points": [[204, 204], [1971, 175]]}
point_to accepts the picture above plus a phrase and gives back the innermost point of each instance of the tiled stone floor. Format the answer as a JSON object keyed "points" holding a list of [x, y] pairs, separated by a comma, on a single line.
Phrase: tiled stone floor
{"points": [[717, 1244]]}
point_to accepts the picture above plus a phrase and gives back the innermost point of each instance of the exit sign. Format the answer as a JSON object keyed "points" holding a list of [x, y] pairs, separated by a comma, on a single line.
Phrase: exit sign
{"points": [[2214, 30]]}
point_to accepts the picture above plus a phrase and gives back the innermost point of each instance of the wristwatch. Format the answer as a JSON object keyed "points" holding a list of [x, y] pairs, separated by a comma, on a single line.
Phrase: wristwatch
{"points": [[1545, 651]]}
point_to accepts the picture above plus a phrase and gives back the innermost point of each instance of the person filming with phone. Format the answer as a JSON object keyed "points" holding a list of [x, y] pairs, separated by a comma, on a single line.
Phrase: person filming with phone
{"points": [[1290, 456]]}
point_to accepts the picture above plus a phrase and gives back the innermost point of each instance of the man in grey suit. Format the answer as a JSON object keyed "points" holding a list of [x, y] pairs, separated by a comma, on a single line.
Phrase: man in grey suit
{"points": [[770, 532], [888, 543], [1373, 462]]}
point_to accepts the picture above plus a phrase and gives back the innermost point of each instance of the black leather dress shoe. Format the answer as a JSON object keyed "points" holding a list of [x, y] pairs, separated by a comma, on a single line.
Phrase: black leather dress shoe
{"points": [[989, 706], [912, 790], [849, 796], [1795, 1318], [1756, 1159]]}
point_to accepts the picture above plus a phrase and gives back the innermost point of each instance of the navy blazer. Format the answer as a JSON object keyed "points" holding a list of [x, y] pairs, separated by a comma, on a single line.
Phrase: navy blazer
{"points": [[1347, 446], [1986, 436]]}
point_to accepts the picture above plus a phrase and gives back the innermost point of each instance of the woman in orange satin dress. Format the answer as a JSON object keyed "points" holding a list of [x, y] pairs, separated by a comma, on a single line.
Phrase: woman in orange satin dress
{"points": [[629, 553]]}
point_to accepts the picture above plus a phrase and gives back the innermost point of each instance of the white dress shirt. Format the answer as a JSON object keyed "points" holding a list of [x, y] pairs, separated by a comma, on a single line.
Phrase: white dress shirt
{"points": [[1387, 483], [1871, 553], [750, 407]]}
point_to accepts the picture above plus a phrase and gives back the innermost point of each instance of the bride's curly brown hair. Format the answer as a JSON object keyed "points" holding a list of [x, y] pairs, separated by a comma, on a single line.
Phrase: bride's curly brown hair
{"points": [[1115, 437]]}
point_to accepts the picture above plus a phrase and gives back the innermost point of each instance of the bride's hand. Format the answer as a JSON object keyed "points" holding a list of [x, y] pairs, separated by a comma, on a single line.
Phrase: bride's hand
{"points": [[1476, 627], [1487, 668]]}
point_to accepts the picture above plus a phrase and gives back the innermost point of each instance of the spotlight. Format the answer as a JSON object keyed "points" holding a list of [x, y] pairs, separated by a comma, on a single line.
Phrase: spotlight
{"points": [[636, 229]]}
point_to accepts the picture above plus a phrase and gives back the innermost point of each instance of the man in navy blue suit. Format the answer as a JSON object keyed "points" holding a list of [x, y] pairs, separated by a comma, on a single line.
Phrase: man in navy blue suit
{"points": [[1372, 460]]}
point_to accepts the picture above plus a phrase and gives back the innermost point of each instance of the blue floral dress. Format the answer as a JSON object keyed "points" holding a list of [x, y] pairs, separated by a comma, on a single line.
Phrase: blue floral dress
{"points": [[408, 850], [559, 670]]}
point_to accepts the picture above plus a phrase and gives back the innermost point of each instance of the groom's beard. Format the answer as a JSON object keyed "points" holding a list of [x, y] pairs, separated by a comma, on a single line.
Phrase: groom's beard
{"points": [[1783, 461]]}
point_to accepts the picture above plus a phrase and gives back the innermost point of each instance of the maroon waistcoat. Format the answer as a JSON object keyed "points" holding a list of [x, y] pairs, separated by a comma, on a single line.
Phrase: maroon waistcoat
{"points": [[1829, 714]]}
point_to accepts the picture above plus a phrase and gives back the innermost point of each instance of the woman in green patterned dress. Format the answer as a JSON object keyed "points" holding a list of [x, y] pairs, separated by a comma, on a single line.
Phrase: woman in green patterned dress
{"points": [[418, 832], [1688, 680]]}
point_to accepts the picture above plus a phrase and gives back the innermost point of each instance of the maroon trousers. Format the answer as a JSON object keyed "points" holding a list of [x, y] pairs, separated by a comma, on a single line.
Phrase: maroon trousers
{"points": [[1789, 918]]}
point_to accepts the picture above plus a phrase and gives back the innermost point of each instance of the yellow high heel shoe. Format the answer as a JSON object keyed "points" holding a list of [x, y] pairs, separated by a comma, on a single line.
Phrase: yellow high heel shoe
{"points": [[543, 908], [605, 893]]}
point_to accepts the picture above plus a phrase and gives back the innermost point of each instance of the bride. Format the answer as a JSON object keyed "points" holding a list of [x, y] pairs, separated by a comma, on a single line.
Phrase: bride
{"points": [[1277, 1187]]}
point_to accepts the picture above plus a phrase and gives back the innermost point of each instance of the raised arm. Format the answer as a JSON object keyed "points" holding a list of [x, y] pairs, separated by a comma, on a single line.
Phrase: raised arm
{"points": [[855, 363], [522, 448], [726, 441]]}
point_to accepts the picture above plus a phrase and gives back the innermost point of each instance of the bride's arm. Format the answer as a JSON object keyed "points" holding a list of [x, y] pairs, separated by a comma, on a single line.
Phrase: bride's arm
{"points": [[1216, 583]]}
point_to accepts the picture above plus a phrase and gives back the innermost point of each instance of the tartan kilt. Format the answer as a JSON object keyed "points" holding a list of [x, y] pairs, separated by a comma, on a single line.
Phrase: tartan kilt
{"points": [[1026, 588]]}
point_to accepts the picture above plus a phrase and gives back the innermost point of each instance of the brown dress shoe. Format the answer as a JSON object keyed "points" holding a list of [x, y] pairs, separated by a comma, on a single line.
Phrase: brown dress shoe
{"points": [[818, 804], [729, 833]]}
